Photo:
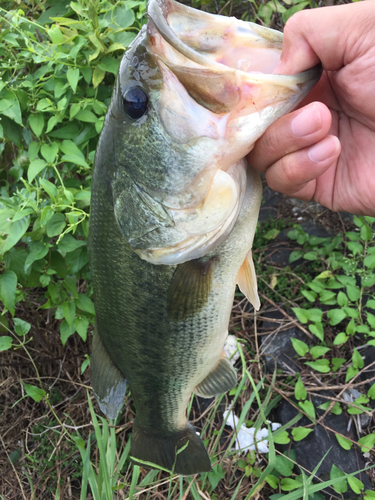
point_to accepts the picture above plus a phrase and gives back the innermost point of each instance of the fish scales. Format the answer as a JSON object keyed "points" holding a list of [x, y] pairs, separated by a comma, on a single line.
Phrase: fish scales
{"points": [[173, 215]]}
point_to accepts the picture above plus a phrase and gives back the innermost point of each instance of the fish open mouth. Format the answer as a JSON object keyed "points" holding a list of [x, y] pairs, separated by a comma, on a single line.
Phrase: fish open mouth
{"points": [[224, 63], [220, 92]]}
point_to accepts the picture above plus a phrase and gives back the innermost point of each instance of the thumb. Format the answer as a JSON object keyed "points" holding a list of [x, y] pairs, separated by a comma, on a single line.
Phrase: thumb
{"points": [[330, 35]]}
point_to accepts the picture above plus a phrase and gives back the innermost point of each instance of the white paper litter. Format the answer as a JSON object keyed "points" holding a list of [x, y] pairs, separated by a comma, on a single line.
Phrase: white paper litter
{"points": [[246, 438]]}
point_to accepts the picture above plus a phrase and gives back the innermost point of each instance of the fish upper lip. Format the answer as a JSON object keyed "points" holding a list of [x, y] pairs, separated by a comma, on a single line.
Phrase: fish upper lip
{"points": [[158, 11]]}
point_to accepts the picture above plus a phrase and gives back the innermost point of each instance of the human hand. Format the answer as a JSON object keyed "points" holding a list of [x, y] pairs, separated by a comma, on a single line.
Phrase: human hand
{"points": [[300, 152]]}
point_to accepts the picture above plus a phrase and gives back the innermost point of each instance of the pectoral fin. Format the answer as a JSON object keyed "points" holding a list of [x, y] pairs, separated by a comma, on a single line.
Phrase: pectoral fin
{"points": [[247, 281], [108, 382], [189, 289], [222, 378]]}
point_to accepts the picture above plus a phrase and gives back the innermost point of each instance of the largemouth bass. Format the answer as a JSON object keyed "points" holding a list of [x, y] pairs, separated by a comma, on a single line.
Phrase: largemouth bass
{"points": [[173, 215]]}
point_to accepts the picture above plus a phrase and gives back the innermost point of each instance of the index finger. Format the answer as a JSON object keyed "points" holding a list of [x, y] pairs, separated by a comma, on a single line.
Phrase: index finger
{"points": [[328, 34]]}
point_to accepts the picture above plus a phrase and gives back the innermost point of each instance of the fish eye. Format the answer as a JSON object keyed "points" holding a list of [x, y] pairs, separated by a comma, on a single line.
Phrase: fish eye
{"points": [[135, 102]]}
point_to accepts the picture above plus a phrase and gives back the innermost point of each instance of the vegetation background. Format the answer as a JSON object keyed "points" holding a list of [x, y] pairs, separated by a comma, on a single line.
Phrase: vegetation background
{"points": [[58, 62]]}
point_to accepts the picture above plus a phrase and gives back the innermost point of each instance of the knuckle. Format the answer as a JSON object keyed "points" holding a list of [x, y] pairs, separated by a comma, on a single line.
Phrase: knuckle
{"points": [[288, 171], [272, 143], [294, 23]]}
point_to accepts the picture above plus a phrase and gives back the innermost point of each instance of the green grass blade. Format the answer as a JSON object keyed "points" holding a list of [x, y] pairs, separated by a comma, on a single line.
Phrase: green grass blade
{"points": [[86, 466], [124, 456], [134, 482]]}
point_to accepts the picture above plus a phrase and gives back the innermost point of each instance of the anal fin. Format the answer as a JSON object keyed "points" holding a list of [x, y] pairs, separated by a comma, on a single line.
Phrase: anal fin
{"points": [[247, 281], [221, 379], [108, 382]]}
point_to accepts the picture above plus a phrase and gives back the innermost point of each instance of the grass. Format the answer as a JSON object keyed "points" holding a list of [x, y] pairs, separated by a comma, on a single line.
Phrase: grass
{"points": [[57, 79]]}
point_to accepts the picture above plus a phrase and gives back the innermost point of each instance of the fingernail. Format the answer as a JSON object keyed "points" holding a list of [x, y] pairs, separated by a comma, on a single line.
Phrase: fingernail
{"points": [[307, 122], [324, 149]]}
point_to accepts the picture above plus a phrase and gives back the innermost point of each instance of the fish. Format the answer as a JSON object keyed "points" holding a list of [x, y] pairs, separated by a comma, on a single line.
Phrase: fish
{"points": [[173, 215]]}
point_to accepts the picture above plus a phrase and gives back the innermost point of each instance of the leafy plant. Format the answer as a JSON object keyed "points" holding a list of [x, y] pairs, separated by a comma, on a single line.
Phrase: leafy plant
{"points": [[56, 74]]}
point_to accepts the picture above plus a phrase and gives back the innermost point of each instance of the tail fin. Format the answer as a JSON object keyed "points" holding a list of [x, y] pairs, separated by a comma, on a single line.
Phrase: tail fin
{"points": [[162, 450]]}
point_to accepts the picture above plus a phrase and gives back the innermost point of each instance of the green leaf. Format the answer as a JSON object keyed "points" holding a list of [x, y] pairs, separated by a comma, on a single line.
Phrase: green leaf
{"points": [[356, 485], [315, 315], [353, 292], [310, 256], [295, 255], [21, 327], [336, 316], [52, 122], [302, 314], [365, 232], [215, 475], [281, 438], [340, 338], [35, 168], [371, 392], [8, 285], [351, 372], [336, 409], [300, 433], [320, 365], [14, 112], [272, 480], [33, 150], [310, 296], [308, 408], [85, 115], [327, 295], [5, 343], [56, 36], [18, 229], [283, 465], [36, 393], [69, 244], [49, 188], [82, 323], [73, 76], [339, 486], [36, 122], [288, 484], [55, 225], [47, 213], [76, 160], [357, 359], [371, 320], [66, 331], [354, 246], [300, 347], [85, 304], [299, 389], [342, 299], [37, 251], [85, 364], [70, 131], [49, 152], [367, 442], [368, 280], [317, 329], [70, 148], [318, 350], [69, 311], [109, 64], [343, 442]]}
